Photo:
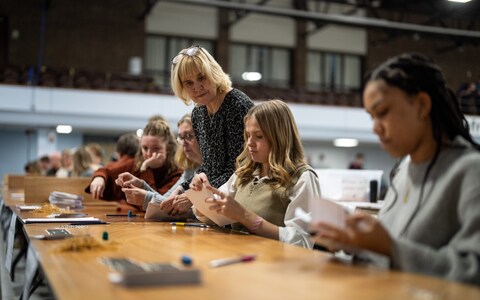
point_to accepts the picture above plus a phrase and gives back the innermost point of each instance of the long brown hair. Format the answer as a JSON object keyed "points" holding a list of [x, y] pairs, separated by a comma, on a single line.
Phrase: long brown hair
{"points": [[286, 151], [161, 129]]}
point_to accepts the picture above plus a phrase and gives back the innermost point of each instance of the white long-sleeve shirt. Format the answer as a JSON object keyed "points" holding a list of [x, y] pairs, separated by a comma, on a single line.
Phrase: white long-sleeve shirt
{"points": [[295, 231]]}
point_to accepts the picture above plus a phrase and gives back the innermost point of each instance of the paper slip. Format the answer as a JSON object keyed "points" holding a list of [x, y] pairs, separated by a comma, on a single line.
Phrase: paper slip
{"points": [[154, 212], [198, 200], [60, 220], [325, 211], [28, 207]]}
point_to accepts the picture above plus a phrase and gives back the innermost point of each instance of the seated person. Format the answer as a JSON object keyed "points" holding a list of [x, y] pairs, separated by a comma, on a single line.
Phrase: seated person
{"points": [[83, 165], [187, 157], [272, 178], [430, 220], [154, 163]]}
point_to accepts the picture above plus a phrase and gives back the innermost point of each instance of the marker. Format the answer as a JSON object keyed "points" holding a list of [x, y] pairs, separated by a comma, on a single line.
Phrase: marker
{"points": [[228, 261], [190, 224]]}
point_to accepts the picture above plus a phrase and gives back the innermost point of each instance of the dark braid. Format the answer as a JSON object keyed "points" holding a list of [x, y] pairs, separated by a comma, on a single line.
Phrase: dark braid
{"points": [[414, 73]]}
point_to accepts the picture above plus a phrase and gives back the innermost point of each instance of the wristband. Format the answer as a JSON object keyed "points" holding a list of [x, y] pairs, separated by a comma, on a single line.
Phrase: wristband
{"points": [[256, 224]]}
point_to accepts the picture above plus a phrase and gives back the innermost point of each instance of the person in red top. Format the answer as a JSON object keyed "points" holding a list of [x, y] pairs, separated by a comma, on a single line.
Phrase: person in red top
{"points": [[154, 163]]}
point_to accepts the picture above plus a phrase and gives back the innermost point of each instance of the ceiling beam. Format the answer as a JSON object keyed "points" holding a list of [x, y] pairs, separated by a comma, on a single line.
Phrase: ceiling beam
{"points": [[335, 18]]}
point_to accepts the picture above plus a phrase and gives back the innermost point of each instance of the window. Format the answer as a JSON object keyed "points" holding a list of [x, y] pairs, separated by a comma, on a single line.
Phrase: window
{"points": [[159, 53], [333, 71], [272, 63]]}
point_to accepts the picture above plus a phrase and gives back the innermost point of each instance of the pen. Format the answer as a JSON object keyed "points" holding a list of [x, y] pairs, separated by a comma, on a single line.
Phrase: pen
{"points": [[228, 261], [89, 223], [120, 215], [190, 224]]}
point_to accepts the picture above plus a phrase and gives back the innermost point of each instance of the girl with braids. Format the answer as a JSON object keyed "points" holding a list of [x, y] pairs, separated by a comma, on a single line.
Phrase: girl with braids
{"points": [[272, 178], [430, 220]]}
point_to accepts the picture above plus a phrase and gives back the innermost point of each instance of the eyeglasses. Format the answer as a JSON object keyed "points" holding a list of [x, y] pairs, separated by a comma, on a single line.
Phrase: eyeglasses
{"points": [[191, 51], [187, 137]]}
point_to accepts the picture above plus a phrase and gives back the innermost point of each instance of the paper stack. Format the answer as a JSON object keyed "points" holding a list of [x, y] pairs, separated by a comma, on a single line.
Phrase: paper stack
{"points": [[62, 199]]}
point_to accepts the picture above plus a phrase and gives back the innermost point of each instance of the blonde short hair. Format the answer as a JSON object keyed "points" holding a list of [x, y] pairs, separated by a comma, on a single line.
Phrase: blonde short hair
{"points": [[286, 151], [200, 61]]}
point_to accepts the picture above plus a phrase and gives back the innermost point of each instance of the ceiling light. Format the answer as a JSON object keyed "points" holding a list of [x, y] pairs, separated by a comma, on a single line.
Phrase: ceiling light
{"points": [[345, 142], [460, 1], [251, 76], [64, 129]]}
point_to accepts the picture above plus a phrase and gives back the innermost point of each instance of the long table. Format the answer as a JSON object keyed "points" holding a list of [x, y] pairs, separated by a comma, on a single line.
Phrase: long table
{"points": [[280, 271]]}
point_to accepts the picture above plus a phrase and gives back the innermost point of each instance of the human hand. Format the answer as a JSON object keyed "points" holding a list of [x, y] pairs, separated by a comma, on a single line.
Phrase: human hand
{"points": [[155, 161], [226, 205], [97, 187], [362, 231], [181, 204], [134, 195], [198, 181], [126, 179]]}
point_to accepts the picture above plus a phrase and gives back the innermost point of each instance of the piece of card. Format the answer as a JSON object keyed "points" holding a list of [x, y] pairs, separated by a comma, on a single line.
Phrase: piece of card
{"points": [[154, 212], [329, 212], [198, 200]]}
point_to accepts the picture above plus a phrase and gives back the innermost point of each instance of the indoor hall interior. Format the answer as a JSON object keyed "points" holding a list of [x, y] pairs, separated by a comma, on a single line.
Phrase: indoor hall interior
{"points": [[100, 69]]}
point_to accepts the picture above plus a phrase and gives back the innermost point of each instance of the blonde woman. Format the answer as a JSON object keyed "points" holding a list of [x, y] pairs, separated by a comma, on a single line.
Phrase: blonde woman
{"points": [[217, 117], [272, 178]]}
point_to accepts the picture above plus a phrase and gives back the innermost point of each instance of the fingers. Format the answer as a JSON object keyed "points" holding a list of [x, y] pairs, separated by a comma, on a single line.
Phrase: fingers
{"points": [[198, 181], [166, 203]]}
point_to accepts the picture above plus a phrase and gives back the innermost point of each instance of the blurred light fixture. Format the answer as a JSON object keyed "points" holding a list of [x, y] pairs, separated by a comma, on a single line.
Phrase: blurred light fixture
{"points": [[460, 1], [347, 143], [251, 76], [64, 129], [139, 132]]}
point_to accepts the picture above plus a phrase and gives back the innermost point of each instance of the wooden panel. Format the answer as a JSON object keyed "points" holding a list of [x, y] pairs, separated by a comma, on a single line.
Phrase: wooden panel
{"points": [[14, 182], [38, 188], [280, 271]]}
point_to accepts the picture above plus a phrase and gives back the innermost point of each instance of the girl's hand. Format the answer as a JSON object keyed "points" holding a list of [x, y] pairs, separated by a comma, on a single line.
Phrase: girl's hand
{"points": [[226, 205], [362, 231], [135, 195], [97, 187], [198, 181], [155, 161], [128, 180]]}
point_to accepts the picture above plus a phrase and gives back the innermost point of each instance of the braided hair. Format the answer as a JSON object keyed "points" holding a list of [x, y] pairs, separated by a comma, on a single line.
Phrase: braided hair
{"points": [[414, 73]]}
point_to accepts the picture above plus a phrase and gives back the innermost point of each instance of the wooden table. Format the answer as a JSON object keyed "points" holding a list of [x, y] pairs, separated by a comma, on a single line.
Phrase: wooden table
{"points": [[280, 272]]}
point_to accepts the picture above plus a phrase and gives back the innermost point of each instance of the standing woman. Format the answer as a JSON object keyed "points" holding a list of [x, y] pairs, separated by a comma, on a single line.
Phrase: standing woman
{"points": [[430, 220], [217, 117]]}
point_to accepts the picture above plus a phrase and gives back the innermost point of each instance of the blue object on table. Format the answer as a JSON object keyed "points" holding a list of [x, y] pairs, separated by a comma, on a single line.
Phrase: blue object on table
{"points": [[186, 260], [105, 236]]}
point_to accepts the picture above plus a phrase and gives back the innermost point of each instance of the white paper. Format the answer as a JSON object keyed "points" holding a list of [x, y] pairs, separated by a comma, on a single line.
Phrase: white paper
{"points": [[329, 212], [198, 200], [154, 212], [60, 220], [28, 207]]}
